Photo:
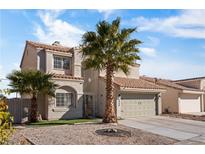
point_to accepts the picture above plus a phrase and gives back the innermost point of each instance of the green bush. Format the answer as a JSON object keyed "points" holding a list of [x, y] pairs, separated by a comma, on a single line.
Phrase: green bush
{"points": [[5, 121]]}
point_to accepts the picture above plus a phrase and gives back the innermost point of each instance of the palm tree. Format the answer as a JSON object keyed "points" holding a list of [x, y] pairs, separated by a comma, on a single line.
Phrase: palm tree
{"points": [[111, 49], [33, 83]]}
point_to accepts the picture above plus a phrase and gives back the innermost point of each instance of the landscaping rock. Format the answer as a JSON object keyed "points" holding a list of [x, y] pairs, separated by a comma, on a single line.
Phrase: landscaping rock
{"points": [[86, 135]]}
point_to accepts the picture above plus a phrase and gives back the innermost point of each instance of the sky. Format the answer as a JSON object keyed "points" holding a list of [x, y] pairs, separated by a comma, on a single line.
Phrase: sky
{"points": [[173, 40]]}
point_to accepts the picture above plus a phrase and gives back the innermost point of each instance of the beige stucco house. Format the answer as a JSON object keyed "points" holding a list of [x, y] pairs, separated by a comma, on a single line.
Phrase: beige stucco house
{"points": [[181, 96], [198, 83], [82, 92]]}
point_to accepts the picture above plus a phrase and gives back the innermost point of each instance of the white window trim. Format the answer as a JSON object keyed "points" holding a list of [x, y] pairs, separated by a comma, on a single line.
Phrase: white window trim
{"points": [[62, 107], [69, 58]]}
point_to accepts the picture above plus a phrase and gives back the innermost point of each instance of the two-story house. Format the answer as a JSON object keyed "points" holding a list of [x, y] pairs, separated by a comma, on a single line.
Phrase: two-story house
{"points": [[65, 64], [82, 92]]}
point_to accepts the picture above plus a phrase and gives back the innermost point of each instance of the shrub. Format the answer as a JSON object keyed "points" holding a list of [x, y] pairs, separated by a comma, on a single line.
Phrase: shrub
{"points": [[5, 121]]}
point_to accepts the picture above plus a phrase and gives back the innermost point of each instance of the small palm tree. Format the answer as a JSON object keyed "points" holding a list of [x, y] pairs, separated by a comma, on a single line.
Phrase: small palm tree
{"points": [[110, 48], [33, 83]]}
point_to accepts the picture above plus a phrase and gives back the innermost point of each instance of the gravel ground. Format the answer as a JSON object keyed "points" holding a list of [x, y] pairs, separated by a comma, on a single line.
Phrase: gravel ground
{"points": [[84, 135]]}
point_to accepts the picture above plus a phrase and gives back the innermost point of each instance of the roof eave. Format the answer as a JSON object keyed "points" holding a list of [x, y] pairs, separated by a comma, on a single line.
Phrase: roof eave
{"points": [[192, 92], [67, 79], [126, 89], [190, 79]]}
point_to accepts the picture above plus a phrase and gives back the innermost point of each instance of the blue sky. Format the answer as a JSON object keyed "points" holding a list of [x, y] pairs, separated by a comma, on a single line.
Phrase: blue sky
{"points": [[174, 40]]}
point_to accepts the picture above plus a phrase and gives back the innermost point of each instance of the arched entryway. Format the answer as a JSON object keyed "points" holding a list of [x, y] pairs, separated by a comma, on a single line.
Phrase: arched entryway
{"points": [[66, 97]]}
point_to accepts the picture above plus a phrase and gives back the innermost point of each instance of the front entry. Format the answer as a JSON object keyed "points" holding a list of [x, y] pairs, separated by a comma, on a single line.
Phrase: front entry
{"points": [[88, 106], [133, 105]]}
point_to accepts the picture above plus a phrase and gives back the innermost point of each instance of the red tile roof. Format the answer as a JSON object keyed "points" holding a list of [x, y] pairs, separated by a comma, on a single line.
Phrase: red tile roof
{"points": [[168, 83], [49, 47], [197, 78], [62, 76], [134, 83]]}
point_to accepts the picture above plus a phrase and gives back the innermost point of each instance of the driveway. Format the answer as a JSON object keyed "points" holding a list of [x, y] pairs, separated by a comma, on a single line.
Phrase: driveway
{"points": [[186, 131]]}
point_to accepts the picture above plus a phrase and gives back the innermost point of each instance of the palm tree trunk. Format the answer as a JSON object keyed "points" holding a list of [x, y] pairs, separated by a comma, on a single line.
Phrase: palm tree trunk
{"points": [[110, 113], [34, 108]]}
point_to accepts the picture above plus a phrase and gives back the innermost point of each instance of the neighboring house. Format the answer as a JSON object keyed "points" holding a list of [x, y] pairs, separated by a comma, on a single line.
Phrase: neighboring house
{"points": [[180, 97], [81, 93], [198, 83]]}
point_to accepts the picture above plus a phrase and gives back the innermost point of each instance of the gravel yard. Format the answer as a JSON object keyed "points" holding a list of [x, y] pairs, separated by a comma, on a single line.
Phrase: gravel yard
{"points": [[84, 134]]}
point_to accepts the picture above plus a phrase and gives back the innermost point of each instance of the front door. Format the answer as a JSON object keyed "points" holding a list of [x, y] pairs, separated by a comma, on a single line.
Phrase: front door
{"points": [[88, 106]]}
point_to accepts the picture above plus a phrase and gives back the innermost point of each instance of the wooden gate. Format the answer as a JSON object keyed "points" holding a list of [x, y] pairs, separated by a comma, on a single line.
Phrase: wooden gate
{"points": [[19, 109]]}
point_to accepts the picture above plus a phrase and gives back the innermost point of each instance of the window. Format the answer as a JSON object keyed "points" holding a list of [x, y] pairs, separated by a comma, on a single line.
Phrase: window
{"points": [[57, 62], [63, 99], [61, 62], [66, 63]]}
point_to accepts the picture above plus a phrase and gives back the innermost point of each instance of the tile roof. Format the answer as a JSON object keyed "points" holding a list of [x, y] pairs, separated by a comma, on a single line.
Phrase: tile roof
{"points": [[49, 47], [197, 78], [168, 83], [134, 83], [62, 76]]}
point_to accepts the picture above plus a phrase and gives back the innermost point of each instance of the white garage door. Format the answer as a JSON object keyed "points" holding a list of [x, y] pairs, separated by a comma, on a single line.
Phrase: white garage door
{"points": [[133, 105], [189, 104]]}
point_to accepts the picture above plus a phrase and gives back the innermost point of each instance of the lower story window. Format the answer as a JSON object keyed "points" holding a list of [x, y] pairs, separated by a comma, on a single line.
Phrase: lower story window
{"points": [[63, 99]]}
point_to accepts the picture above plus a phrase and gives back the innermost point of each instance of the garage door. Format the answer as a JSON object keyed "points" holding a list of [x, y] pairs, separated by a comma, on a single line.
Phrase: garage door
{"points": [[133, 105], [189, 104]]}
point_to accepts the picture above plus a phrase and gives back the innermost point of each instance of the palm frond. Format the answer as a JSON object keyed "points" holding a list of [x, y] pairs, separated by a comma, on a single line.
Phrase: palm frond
{"points": [[110, 45], [31, 82]]}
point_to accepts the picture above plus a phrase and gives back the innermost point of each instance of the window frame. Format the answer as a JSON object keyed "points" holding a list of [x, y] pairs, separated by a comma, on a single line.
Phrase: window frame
{"points": [[65, 106], [62, 59]]}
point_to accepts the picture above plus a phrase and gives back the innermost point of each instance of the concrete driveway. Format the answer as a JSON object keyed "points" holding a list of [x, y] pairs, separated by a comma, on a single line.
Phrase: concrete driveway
{"points": [[186, 131]]}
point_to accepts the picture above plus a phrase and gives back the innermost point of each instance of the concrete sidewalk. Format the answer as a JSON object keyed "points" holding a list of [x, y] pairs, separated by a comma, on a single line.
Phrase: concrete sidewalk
{"points": [[186, 131]]}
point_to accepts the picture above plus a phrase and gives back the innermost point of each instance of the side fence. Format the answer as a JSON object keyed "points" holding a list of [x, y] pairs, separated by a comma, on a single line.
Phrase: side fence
{"points": [[19, 109]]}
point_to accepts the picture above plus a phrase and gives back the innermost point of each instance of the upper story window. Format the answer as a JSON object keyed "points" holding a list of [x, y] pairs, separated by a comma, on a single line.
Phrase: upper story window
{"points": [[61, 62]]}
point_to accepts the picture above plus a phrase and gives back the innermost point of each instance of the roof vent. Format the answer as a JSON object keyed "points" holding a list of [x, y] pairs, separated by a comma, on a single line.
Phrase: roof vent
{"points": [[56, 43], [155, 80]]}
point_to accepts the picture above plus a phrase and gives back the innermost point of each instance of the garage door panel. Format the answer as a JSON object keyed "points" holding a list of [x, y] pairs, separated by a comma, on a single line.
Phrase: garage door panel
{"points": [[134, 105], [189, 105]]}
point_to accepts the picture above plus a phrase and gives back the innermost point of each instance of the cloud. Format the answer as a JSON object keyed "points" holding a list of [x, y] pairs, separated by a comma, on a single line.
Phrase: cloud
{"points": [[150, 52], [106, 13], [56, 29], [188, 24]]}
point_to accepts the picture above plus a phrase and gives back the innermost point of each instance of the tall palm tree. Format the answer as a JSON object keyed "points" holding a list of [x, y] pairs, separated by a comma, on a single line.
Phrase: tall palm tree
{"points": [[110, 48], [33, 83]]}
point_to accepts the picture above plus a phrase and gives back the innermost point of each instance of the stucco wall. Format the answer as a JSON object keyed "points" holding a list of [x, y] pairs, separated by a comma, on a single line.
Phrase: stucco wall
{"points": [[134, 72], [90, 77], [49, 63], [77, 59], [203, 84], [204, 102], [74, 111], [41, 60], [29, 60], [102, 97], [169, 100], [41, 106]]}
